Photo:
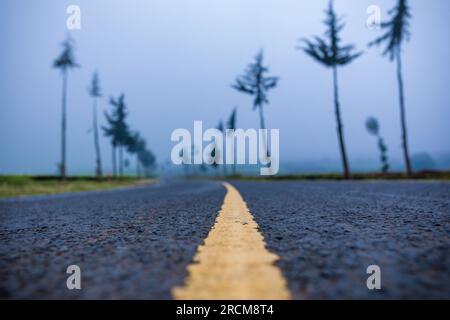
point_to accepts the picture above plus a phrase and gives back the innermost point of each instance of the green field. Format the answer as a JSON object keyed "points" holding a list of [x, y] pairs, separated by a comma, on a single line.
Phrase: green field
{"points": [[13, 186]]}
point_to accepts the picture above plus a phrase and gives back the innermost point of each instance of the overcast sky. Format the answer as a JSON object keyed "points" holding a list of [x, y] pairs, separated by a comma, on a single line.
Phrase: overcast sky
{"points": [[175, 61]]}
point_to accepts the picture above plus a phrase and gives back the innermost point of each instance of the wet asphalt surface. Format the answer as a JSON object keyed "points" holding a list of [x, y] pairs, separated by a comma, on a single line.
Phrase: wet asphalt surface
{"points": [[136, 243]]}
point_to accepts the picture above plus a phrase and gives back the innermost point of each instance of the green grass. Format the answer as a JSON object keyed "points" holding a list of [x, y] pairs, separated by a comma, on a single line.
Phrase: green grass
{"points": [[423, 175], [13, 186]]}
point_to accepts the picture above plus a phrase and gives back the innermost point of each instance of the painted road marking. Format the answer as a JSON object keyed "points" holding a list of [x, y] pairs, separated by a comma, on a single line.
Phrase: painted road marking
{"points": [[233, 262]]}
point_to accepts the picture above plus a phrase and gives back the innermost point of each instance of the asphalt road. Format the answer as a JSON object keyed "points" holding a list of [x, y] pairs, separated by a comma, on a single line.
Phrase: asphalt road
{"points": [[328, 233], [137, 243]]}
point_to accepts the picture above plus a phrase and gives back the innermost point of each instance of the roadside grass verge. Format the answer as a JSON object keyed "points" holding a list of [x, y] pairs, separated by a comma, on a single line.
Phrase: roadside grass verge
{"points": [[13, 186]]}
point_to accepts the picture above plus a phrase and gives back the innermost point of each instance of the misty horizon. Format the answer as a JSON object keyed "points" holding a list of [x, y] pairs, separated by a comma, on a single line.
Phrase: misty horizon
{"points": [[175, 63]]}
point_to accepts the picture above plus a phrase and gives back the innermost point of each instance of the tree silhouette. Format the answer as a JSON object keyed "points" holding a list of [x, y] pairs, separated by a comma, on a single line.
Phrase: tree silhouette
{"points": [[184, 158], [148, 160], [331, 53], [117, 130], [397, 31], [135, 145], [64, 62], [373, 128], [95, 93], [110, 131], [231, 124], [255, 82]]}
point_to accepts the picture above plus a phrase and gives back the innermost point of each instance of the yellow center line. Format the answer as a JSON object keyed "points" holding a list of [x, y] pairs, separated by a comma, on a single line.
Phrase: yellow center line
{"points": [[233, 262]]}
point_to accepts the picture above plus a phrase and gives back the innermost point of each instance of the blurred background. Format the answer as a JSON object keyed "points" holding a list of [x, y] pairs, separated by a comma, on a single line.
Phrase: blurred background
{"points": [[175, 61]]}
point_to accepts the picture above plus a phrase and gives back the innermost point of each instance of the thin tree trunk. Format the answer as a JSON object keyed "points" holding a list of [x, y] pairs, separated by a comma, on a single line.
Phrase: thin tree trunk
{"points": [[263, 126], [381, 152], [114, 161], [120, 161], [261, 118], [98, 162], [62, 166], [138, 167], [403, 116], [340, 126]]}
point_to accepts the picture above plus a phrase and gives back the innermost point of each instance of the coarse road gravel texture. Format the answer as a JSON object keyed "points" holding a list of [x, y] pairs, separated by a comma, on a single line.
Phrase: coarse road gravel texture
{"points": [[137, 243], [133, 243], [328, 233]]}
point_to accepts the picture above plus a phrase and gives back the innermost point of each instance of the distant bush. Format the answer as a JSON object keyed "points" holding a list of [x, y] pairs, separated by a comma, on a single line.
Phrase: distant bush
{"points": [[422, 161]]}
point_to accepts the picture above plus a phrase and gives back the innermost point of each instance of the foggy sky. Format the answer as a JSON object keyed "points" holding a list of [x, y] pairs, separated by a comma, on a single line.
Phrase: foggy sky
{"points": [[175, 62]]}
